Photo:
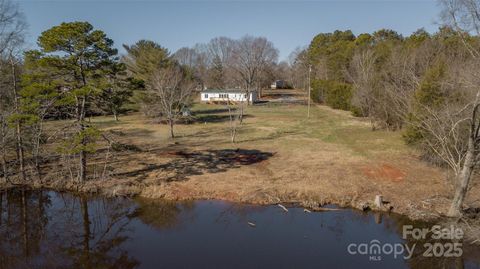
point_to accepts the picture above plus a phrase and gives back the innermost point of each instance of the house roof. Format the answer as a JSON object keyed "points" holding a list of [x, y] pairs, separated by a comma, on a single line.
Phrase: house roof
{"points": [[224, 91]]}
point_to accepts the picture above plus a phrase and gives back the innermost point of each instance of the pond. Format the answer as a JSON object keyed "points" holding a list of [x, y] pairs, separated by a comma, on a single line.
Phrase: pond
{"points": [[46, 229]]}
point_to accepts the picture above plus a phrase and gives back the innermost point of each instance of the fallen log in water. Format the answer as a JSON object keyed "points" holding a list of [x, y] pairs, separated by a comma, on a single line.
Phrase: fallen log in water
{"points": [[283, 207], [327, 209]]}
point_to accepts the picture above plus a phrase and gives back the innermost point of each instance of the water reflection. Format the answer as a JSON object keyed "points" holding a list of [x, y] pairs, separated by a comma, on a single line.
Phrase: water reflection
{"points": [[49, 230], [45, 229], [162, 214]]}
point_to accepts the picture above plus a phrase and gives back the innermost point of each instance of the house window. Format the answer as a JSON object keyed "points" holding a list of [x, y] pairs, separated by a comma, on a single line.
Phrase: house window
{"points": [[224, 95], [205, 95]]}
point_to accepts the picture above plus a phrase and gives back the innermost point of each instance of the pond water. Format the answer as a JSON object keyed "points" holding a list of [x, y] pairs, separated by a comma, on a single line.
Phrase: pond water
{"points": [[46, 229]]}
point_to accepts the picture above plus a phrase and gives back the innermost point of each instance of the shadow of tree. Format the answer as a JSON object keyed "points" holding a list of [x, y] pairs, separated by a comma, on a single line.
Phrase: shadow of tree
{"points": [[215, 118], [279, 95], [187, 164], [211, 111]]}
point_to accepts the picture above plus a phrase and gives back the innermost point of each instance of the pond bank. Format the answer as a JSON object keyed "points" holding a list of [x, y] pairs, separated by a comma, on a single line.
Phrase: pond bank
{"points": [[174, 192]]}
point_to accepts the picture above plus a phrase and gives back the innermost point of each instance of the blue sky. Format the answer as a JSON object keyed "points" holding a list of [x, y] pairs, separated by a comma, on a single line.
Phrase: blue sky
{"points": [[174, 24]]}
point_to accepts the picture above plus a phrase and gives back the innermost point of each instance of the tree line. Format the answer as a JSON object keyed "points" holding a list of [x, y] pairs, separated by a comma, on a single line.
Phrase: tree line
{"points": [[77, 73], [424, 85]]}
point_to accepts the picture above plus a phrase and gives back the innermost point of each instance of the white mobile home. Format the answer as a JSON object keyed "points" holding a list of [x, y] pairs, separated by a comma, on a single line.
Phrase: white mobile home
{"points": [[229, 95]]}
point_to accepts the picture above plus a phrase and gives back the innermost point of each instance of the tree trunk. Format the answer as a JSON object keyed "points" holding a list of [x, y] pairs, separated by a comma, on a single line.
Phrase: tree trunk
{"points": [[21, 158], [241, 113], [5, 170], [233, 134], [115, 115], [38, 170], [4, 147], [83, 165], [4, 160], [233, 125], [170, 122], [83, 155], [1, 207], [36, 158], [462, 181], [36, 149], [18, 128]]}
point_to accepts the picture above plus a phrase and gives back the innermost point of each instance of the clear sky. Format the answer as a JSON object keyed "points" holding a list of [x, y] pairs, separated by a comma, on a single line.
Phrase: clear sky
{"points": [[174, 24]]}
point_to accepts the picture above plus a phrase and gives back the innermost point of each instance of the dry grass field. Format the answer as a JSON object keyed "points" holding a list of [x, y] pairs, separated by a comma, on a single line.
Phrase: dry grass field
{"points": [[280, 156]]}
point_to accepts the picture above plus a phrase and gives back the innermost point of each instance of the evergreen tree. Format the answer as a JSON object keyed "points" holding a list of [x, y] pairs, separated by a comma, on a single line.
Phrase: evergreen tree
{"points": [[74, 60]]}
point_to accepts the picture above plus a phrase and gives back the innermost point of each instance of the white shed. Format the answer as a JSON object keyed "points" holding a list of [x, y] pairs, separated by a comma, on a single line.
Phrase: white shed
{"points": [[230, 95]]}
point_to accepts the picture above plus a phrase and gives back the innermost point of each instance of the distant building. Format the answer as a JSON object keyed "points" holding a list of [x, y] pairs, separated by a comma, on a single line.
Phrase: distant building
{"points": [[227, 95], [279, 84]]}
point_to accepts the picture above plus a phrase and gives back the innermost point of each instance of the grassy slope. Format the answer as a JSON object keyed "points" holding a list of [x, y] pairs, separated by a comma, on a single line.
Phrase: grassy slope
{"points": [[331, 157]]}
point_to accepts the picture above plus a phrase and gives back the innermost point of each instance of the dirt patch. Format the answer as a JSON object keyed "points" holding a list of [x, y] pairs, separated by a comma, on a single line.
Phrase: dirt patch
{"points": [[384, 172]]}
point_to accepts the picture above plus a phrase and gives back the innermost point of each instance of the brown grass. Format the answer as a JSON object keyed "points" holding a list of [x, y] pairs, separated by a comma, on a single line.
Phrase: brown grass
{"points": [[280, 157]]}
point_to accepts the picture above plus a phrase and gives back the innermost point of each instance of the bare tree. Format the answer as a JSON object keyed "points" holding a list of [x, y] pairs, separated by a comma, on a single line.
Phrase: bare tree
{"points": [[298, 63], [464, 16], [452, 133], [234, 114], [226, 63], [6, 101], [362, 73], [394, 85], [16, 105], [251, 55], [220, 51], [450, 129], [12, 26], [196, 60], [171, 91], [186, 57]]}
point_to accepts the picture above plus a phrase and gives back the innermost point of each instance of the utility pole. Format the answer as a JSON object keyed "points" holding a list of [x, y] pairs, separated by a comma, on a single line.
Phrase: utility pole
{"points": [[309, 90]]}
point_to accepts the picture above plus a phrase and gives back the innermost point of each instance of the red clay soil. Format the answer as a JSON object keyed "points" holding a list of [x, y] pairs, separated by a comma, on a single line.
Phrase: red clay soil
{"points": [[384, 172]]}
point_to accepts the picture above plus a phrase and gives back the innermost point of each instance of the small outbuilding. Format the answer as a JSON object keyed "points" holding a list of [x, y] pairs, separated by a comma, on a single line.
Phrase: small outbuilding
{"points": [[228, 95], [279, 84]]}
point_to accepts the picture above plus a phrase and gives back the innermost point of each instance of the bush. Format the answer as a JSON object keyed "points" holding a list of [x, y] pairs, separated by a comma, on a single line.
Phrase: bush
{"points": [[319, 87], [335, 94]]}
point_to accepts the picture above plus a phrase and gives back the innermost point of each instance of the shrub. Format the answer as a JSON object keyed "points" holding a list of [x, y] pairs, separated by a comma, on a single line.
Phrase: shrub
{"points": [[335, 94]]}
